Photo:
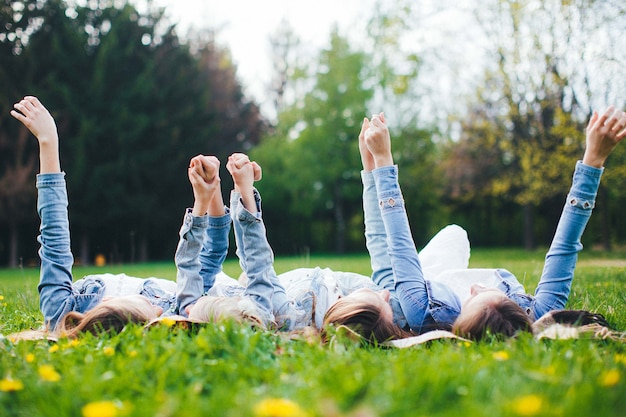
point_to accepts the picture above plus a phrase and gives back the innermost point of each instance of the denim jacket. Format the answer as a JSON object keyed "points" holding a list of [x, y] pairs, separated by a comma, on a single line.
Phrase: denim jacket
{"points": [[57, 294], [299, 297], [430, 304]]}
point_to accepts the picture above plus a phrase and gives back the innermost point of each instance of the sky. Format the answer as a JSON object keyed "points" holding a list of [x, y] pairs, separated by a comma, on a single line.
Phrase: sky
{"points": [[244, 26]]}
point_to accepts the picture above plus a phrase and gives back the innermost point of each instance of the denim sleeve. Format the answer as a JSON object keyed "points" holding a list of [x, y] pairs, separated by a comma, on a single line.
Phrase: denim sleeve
{"points": [[558, 271], [284, 310], [407, 270], [375, 235], [56, 296], [257, 257], [214, 249], [189, 283]]}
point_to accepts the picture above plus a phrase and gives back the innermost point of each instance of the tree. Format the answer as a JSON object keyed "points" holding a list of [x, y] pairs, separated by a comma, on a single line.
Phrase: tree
{"points": [[534, 103], [133, 104], [317, 139]]}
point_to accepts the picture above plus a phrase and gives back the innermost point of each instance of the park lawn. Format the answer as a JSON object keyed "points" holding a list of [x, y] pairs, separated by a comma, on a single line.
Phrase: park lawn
{"points": [[230, 370]]}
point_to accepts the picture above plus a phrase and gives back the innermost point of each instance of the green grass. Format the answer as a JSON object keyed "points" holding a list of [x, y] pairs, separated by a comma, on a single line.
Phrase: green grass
{"points": [[228, 370]]}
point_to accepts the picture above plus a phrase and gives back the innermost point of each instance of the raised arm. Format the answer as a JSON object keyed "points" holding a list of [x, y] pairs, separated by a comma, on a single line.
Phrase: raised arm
{"points": [[604, 132], [255, 253], [55, 283], [409, 279], [203, 175]]}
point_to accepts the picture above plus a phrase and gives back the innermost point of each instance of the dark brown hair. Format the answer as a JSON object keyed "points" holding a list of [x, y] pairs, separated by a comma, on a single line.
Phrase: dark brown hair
{"points": [[503, 317]]}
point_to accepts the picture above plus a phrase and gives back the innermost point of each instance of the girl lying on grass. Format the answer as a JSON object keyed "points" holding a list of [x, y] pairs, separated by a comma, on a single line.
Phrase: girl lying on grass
{"points": [[498, 305], [108, 302]]}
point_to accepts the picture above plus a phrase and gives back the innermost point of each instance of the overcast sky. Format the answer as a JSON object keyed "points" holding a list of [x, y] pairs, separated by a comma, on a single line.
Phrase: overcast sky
{"points": [[244, 26]]}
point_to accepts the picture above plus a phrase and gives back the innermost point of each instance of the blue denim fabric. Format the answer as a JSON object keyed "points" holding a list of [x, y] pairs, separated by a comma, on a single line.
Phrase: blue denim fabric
{"points": [[376, 243], [57, 294], [57, 297], [300, 297], [255, 254], [428, 305], [201, 250], [558, 270]]}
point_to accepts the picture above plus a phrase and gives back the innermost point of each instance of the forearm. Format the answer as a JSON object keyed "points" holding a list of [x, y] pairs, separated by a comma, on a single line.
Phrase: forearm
{"points": [[55, 285], [189, 283], [554, 287], [214, 247], [409, 279], [375, 235], [259, 258]]}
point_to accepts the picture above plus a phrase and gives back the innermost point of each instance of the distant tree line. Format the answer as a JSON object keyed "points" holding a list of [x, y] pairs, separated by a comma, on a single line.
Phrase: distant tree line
{"points": [[134, 102]]}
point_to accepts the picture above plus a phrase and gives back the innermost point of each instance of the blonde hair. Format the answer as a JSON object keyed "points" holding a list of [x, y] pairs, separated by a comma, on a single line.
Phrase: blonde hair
{"points": [[111, 316], [239, 309], [504, 317], [366, 319]]}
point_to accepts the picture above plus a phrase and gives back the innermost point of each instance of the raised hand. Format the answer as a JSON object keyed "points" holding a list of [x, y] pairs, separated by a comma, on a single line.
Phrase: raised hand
{"points": [[366, 156], [244, 173], [378, 141], [204, 177], [38, 120], [603, 134]]}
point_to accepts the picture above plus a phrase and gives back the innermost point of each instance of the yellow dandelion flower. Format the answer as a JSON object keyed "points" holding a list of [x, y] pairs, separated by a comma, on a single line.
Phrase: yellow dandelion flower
{"points": [[467, 344], [108, 351], [132, 353], [73, 343], [10, 385], [620, 358], [1, 297], [169, 322], [47, 373], [53, 348], [30, 358], [609, 378], [278, 407], [101, 409], [501, 355], [528, 405]]}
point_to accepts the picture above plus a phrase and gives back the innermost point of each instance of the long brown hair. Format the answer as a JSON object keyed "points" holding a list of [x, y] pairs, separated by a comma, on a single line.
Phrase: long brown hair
{"points": [[503, 317], [110, 316], [364, 318]]}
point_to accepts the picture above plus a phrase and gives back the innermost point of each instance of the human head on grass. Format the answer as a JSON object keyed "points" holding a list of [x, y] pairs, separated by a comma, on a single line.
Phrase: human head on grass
{"points": [[490, 311], [366, 312], [111, 315], [213, 309]]}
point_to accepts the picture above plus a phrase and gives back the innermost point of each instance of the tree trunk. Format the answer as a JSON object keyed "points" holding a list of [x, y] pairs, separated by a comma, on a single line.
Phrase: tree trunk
{"points": [[143, 250], [529, 234], [84, 249], [605, 216], [340, 221], [13, 244]]}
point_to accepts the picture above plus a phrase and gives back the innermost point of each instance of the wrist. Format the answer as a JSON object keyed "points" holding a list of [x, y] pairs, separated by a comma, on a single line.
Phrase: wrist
{"points": [[383, 160]]}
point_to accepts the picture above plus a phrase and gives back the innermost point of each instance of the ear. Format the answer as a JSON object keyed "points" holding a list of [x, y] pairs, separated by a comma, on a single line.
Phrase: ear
{"points": [[188, 309]]}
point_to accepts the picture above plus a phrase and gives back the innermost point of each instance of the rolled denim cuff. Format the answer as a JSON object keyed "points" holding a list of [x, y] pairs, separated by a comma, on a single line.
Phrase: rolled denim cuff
{"points": [[191, 222], [585, 183], [367, 178], [389, 193], [51, 179]]}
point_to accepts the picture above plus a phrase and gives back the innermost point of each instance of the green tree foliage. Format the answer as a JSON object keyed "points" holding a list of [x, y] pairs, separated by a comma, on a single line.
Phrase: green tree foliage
{"points": [[133, 104], [315, 147], [526, 126]]}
